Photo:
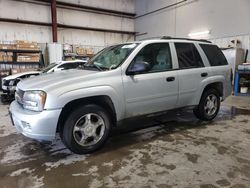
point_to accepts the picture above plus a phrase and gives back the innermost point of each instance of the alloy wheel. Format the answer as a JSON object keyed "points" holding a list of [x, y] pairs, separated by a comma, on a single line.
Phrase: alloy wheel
{"points": [[89, 129]]}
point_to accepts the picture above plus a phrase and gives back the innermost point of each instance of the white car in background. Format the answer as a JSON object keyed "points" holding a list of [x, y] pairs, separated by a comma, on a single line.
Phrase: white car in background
{"points": [[9, 83]]}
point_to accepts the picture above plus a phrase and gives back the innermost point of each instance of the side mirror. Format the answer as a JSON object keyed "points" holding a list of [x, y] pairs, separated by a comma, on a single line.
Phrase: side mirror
{"points": [[138, 67]]}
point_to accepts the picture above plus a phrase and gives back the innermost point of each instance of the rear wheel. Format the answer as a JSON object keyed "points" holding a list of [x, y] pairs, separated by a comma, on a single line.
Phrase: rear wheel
{"points": [[209, 105], [86, 129]]}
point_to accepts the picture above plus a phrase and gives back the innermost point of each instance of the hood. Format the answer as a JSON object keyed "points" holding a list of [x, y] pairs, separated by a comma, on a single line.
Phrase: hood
{"points": [[58, 80], [15, 76]]}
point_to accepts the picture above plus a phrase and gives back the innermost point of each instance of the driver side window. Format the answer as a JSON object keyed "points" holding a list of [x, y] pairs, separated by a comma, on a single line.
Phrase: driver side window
{"points": [[157, 55], [68, 66]]}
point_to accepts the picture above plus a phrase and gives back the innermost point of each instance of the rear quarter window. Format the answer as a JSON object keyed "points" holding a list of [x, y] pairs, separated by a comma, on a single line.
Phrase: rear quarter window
{"points": [[214, 55]]}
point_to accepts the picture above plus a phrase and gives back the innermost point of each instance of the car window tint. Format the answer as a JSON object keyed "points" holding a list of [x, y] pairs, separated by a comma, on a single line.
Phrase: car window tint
{"points": [[158, 56], [214, 55], [22, 77], [62, 66], [68, 66], [188, 56]]}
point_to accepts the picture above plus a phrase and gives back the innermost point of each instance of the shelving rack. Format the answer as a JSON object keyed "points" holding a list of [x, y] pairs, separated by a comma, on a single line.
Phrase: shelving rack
{"points": [[70, 52], [238, 75], [15, 52], [6, 66], [76, 56]]}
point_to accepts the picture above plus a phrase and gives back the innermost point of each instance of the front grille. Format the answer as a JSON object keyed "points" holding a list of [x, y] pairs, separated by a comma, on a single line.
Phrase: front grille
{"points": [[19, 96]]}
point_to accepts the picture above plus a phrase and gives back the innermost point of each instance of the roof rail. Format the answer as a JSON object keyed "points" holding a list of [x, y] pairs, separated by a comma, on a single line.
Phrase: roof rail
{"points": [[150, 38], [174, 38]]}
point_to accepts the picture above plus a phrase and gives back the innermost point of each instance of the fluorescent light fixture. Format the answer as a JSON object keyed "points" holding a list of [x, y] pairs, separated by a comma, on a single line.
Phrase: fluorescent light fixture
{"points": [[199, 34]]}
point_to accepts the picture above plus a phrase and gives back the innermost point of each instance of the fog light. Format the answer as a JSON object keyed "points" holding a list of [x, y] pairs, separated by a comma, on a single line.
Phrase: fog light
{"points": [[26, 126]]}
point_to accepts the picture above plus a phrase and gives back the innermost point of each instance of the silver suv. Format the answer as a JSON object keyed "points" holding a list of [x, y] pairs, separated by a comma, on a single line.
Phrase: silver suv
{"points": [[120, 82]]}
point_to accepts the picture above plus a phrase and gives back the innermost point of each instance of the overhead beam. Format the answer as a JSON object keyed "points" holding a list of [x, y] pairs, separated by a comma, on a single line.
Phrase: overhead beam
{"points": [[95, 29], [61, 4], [9, 20], [65, 26], [96, 9]]}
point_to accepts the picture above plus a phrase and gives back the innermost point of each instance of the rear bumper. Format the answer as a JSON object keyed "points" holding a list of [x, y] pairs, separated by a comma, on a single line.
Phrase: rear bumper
{"points": [[228, 90], [36, 125]]}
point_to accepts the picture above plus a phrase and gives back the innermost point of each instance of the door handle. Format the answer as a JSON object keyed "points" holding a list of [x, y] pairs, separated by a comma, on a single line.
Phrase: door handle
{"points": [[204, 74], [170, 79]]}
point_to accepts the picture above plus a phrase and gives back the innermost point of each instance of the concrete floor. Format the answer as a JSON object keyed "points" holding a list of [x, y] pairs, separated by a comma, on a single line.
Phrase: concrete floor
{"points": [[173, 152]]}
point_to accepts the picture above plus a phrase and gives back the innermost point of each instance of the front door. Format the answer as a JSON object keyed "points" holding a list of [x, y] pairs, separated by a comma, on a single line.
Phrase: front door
{"points": [[154, 90]]}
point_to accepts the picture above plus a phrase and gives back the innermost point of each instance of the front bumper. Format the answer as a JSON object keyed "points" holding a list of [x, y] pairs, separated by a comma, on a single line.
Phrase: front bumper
{"points": [[36, 125], [9, 89]]}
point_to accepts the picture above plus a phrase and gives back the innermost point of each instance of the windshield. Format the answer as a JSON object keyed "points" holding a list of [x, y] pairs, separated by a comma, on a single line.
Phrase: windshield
{"points": [[46, 69], [111, 57]]}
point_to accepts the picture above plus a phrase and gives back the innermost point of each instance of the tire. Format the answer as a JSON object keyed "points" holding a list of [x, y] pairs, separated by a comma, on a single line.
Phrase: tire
{"points": [[86, 129], [205, 110]]}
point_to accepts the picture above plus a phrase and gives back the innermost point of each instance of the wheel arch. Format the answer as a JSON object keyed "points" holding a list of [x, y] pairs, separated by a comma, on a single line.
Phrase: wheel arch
{"points": [[101, 100], [218, 86]]}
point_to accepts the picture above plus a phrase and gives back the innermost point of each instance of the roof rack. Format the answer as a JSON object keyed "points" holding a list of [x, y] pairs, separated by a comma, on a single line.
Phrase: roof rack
{"points": [[173, 38], [150, 38]]}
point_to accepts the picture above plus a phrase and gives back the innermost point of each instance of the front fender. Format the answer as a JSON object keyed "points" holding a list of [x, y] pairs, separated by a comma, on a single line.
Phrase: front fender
{"points": [[63, 99]]}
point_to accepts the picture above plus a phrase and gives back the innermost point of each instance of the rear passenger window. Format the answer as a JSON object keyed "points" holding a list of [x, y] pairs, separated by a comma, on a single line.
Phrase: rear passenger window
{"points": [[188, 56], [214, 55]]}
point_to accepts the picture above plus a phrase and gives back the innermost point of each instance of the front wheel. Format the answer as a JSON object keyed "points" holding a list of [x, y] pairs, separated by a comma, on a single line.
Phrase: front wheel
{"points": [[86, 129], [209, 105]]}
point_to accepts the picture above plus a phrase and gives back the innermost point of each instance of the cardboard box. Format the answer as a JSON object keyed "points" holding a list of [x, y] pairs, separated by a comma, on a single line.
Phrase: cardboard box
{"points": [[2, 54], [89, 51], [5, 58], [81, 51], [6, 46], [19, 41], [15, 71], [28, 57], [26, 45], [4, 73], [25, 42], [9, 58]]}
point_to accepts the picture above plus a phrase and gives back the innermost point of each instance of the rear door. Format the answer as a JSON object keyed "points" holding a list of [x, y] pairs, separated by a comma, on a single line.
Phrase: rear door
{"points": [[191, 72], [219, 65], [155, 90]]}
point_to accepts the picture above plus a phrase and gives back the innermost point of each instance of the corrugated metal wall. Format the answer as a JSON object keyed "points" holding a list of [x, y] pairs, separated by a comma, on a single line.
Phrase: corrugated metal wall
{"points": [[222, 17], [35, 12], [226, 19]]}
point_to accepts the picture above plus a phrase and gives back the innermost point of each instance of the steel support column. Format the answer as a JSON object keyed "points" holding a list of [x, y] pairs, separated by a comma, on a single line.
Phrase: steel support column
{"points": [[54, 20]]}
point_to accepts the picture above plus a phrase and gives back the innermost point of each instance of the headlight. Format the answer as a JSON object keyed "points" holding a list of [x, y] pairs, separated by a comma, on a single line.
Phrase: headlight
{"points": [[11, 82], [34, 100]]}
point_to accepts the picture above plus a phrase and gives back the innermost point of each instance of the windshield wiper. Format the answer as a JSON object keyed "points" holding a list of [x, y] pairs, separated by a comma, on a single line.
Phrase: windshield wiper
{"points": [[93, 65], [98, 67]]}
